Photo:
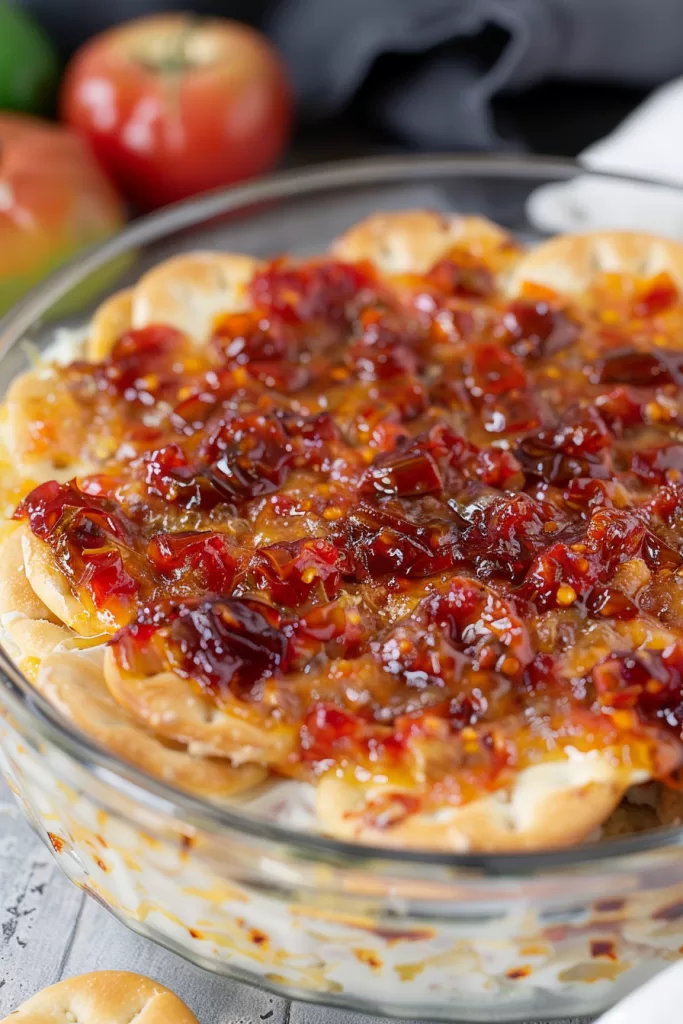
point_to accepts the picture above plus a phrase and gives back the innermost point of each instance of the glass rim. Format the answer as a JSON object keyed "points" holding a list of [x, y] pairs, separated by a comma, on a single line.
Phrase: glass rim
{"points": [[28, 705]]}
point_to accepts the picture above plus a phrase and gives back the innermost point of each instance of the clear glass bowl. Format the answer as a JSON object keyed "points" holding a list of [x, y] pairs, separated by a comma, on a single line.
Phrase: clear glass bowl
{"points": [[410, 934]]}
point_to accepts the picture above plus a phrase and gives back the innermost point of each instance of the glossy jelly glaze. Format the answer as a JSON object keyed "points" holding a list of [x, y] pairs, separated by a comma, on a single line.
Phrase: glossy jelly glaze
{"points": [[408, 526]]}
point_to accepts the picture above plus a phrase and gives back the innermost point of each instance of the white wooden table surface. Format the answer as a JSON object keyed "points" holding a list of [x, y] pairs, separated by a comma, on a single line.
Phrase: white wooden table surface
{"points": [[50, 930]]}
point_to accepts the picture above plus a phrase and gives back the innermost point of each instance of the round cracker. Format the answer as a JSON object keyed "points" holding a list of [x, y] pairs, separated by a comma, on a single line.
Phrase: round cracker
{"points": [[52, 588], [568, 264], [188, 292], [47, 428], [412, 241], [29, 628], [550, 805], [17, 596], [34, 640], [73, 682], [104, 997], [112, 319], [175, 708]]}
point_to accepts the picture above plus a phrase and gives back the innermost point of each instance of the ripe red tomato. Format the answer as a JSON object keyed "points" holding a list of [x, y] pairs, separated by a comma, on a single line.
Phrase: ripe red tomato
{"points": [[174, 104], [54, 199]]}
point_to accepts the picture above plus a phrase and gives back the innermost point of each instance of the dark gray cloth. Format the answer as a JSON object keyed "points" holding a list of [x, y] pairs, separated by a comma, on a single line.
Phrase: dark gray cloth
{"points": [[452, 57], [428, 70], [71, 22]]}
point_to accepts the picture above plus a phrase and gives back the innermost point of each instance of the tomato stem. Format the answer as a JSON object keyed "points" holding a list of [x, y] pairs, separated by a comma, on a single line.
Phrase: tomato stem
{"points": [[177, 60]]}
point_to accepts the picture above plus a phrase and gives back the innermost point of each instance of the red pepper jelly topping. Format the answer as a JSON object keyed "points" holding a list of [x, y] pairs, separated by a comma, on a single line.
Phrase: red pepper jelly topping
{"points": [[317, 291], [247, 456], [395, 513], [88, 537], [226, 645], [207, 555], [106, 557]]}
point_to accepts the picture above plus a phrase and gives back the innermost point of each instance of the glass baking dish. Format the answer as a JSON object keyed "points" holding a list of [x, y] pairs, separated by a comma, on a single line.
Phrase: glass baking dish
{"points": [[416, 935]]}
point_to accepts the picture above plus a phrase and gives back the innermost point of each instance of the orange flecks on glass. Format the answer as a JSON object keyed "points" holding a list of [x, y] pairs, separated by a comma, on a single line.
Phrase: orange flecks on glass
{"points": [[368, 957], [516, 973], [603, 948], [56, 841]]}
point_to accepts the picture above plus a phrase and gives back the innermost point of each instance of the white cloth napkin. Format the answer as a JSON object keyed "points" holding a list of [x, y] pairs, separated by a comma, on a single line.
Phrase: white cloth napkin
{"points": [[657, 1002], [649, 144]]}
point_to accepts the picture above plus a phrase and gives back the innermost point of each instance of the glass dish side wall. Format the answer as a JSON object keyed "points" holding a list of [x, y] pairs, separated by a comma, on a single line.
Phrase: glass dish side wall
{"points": [[487, 949]]}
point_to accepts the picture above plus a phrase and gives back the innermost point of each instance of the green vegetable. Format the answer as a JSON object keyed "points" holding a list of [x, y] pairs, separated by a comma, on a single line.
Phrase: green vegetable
{"points": [[29, 64], [77, 298]]}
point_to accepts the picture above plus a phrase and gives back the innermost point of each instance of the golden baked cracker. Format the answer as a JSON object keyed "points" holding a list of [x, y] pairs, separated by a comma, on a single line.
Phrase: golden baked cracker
{"points": [[73, 681], [188, 292], [412, 241], [568, 264], [103, 997]]}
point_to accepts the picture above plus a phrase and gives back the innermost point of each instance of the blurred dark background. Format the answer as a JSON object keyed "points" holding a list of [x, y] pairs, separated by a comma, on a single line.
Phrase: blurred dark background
{"points": [[372, 76]]}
